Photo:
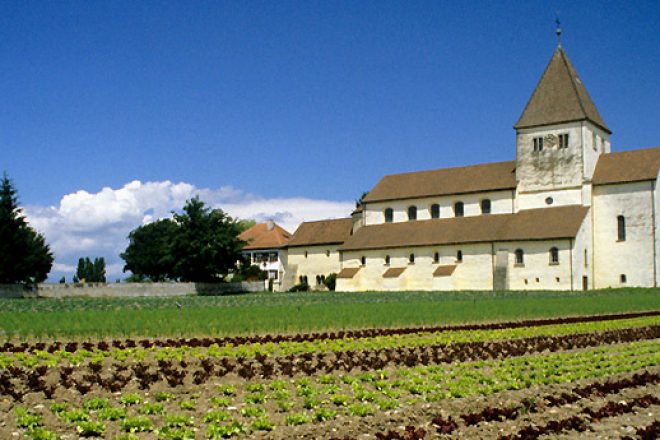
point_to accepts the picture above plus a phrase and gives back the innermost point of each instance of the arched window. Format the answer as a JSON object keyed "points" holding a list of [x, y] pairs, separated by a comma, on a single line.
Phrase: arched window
{"points": [[411, 258], [322, 279], [318, 280], [301, 279], [554, 255], [435, 211], [389, 215], [305, 280], [520, 256], [436, 257], [485, 206], [458, 209], [412, 213], [387, 260], [459, 256], [621, 228], [363, 260]]}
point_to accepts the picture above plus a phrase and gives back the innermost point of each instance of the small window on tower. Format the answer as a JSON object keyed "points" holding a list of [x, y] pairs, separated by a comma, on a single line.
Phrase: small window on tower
{"points": [[563, 140], [389, 215], [538, 143]]}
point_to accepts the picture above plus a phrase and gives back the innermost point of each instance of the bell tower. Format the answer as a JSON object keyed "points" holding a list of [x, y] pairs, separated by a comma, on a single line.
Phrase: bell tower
{"points": [[559, 137]]}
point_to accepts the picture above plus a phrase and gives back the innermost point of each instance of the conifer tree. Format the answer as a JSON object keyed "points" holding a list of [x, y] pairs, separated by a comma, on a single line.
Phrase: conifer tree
{"points": [[24, 255]]}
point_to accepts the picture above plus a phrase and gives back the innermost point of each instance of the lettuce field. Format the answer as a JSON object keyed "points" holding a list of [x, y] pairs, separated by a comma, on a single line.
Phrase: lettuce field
{"points": [[535, 375]]}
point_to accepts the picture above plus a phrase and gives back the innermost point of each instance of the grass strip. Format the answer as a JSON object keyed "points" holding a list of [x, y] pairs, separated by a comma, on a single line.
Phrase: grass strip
{"points": [[300, 312]]}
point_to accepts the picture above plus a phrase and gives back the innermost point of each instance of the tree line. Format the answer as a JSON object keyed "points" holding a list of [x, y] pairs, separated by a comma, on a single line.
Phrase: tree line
{"points": [[199, 244]]}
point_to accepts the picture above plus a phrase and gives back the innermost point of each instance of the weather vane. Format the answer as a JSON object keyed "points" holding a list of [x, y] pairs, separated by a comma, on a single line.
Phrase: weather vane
{"points": [[558, 31]]}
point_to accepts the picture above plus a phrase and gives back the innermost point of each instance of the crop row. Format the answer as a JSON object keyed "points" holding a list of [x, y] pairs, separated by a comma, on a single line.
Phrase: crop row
{"points": [[15, 381], [651, 432], [75, 356], [73, 346], [512, 412], [581, 423], [264, 405], [532, 432]]}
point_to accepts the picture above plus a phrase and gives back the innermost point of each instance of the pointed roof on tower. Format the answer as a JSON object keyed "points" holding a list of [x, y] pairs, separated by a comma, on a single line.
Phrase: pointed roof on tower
{"points": [[559, 97]]}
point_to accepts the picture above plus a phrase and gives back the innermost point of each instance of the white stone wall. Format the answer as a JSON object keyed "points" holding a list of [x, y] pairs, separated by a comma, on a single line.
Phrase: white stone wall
{"points": [[501, 203], [473, 273], [537, 272], [552, 168], [595, 142], [539, 199], [319, 260], [559, 168], [582, 255], [633, 257], [129, 290], [656, 211]]}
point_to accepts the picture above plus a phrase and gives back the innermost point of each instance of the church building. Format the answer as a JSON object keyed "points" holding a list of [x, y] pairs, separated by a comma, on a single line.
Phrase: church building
{"points": [[566, 214]]}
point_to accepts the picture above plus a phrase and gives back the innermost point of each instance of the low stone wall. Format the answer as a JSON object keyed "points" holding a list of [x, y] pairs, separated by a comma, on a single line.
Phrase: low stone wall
{"points": [[127, 290], [12, 291]]}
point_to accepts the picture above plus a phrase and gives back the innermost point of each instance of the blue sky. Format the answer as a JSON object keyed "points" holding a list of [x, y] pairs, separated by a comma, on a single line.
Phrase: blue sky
{"points": [[114, 112]]}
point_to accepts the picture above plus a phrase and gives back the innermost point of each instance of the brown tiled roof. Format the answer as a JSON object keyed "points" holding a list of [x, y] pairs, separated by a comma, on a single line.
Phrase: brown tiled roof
{"points": [[322, 232], [560, 96], [348, 272], [393, 272], [359, 208], [628, 166], [444, 270], [260, 237], [460, 180], [532, 224]]}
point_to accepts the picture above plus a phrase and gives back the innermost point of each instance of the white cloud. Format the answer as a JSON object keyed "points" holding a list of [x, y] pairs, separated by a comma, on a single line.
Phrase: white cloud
{"points": [[97, 224]]}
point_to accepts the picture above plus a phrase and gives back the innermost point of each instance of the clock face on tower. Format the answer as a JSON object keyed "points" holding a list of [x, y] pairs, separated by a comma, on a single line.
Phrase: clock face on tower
{"points": [[550, 140]]}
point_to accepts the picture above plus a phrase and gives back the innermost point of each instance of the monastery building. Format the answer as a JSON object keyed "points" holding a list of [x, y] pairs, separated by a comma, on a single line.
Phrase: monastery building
{"points": [[567, 214]]}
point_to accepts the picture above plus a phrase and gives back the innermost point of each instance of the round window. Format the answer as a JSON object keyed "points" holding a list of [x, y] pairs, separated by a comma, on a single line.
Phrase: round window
{"points": [[549, 201]]}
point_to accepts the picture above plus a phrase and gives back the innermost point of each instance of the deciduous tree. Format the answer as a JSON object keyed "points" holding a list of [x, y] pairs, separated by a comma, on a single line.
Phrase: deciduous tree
{"points": [[207, 244], [149, 252]]}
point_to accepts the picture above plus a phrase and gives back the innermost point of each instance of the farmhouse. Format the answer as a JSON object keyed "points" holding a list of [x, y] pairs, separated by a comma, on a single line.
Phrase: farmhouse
{"points": [[264, 248], [566, 214]]}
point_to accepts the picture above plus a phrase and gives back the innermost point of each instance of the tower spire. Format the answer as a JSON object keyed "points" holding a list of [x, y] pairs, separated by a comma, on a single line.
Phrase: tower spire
{"points": [[558, 30]]}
